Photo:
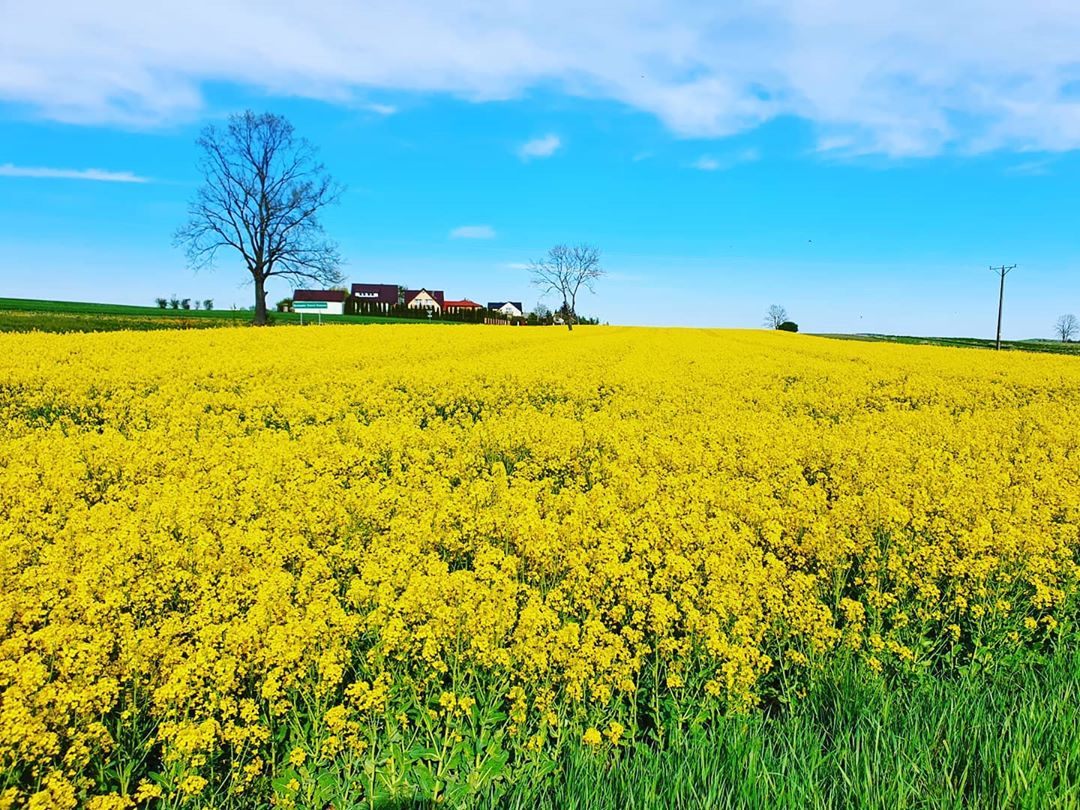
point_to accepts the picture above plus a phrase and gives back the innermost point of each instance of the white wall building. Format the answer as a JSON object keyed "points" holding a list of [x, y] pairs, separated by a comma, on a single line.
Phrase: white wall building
{"points": [[511, 309], [320, 302]]}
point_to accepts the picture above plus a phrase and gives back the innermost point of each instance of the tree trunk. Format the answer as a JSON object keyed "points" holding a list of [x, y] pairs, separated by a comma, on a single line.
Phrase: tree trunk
{"points": [[568, 315], [260, 301]]}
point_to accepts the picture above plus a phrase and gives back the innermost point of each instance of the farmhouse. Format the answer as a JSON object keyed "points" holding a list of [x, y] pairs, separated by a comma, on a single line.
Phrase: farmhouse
{"points": [[326, 302], [370, 297], [512, 309], [464, 305], [424, 299]]}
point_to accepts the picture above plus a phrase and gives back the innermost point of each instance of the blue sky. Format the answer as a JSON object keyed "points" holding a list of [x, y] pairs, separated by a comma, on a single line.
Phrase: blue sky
{"points": [[860, 166]]}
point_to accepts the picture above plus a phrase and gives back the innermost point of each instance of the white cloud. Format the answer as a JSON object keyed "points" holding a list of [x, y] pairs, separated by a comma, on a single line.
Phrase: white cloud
{"points": [[1031, 168], [101, 175], [835, 143], [473, 232], [895, 77], [708, 163], [540, 147]]}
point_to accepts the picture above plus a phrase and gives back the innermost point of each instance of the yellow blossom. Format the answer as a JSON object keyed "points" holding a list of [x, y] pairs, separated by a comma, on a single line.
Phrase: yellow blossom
{"points": [[614, 732], [220, 534]]}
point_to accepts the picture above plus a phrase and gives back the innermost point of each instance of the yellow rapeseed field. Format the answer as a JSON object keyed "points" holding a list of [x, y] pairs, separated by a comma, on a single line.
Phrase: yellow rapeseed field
{"points": [[235, 561]]}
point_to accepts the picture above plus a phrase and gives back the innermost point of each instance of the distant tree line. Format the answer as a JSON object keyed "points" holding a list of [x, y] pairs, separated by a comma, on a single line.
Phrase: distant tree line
{"points": [[184, 303], [541, 315]]}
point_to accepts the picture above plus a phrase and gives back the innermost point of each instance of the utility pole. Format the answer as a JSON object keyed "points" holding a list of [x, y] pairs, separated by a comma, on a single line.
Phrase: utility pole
{"points": [[1002, 271]]}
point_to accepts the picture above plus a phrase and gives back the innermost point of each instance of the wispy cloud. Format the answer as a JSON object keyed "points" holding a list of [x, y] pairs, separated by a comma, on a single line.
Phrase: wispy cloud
{"points": [[516, 266], [835, 143], [473, 232], [1031, 168], [540, 147], [99, 175], [709, 163], [381, 109]]}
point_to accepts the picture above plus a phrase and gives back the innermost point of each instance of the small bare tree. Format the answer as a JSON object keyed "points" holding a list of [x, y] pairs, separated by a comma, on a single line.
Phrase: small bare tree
{"points": [[775, 316], [564, 271], [1066, 328], [262, 194]]}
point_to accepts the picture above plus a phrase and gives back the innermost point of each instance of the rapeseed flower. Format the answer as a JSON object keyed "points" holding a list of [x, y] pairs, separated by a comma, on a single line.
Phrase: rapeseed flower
{"points": [[215, 538]]}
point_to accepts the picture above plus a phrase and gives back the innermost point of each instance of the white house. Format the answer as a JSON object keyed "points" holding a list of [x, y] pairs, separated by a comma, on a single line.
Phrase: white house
{"points": [[511, 309], [424, 299]]}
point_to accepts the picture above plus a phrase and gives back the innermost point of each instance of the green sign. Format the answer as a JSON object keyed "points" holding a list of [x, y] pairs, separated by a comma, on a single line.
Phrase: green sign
{"points": [[309, 305]]}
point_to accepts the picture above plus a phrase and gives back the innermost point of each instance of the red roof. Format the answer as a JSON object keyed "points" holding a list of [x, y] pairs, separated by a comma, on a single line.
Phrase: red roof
{"points": [[464, 303], [319, 295], [379, 293]]}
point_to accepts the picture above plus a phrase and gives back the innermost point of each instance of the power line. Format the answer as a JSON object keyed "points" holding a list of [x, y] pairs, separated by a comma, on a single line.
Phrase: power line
{"points": [[1002, 271]]}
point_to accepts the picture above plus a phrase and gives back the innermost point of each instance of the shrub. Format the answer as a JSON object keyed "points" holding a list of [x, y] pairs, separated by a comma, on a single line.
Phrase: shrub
{"points": [[284, 305], [788, 326], [161, 302]]}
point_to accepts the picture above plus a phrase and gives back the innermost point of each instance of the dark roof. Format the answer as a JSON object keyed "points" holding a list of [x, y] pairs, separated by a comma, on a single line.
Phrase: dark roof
{"points": [[497, 304], [379, 293], [436, 294], [319, 295]]}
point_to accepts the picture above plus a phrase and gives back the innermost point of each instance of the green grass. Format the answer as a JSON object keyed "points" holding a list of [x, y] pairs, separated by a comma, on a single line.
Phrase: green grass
{"points": [[27, 315], [1033, 345], [1001, 735], [1001, 739]]}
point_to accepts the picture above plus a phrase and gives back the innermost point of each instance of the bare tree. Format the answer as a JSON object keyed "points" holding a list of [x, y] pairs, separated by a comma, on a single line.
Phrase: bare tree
{"points": [[542, 312], [564, 271], [1066, 327], [775, 316], [262, 193]]}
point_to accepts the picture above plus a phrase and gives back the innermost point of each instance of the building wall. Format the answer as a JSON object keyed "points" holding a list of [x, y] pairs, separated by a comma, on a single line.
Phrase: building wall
{"points": [[424, 301]]}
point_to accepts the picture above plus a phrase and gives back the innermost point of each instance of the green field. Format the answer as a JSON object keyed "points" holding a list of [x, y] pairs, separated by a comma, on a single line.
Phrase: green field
{"points": [[1034, 345], [28, 315]]}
